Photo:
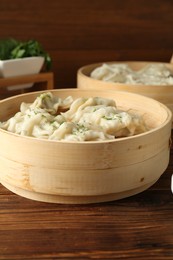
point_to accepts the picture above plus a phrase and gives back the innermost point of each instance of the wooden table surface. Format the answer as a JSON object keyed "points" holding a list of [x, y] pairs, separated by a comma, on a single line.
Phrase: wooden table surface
{"points": [[138, 227]]}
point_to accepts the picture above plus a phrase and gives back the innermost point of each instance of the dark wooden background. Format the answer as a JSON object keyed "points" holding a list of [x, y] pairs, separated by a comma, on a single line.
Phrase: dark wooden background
{"points": [[80, 32], [76, 33]]}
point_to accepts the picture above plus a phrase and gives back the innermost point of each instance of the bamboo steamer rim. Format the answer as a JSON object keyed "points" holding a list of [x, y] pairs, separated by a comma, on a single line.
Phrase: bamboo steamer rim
{"points": [[118, 139], [83, 71]]}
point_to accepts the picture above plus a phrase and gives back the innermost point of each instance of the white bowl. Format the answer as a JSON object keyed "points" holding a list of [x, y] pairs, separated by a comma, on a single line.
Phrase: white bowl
{"points": [[20, 67]]}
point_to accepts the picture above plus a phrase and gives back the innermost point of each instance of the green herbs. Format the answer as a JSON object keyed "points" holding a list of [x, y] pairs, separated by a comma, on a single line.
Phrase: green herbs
{"points": [[79, 129], [13, 49], [6, 47], [108, 118], [113, 117]]}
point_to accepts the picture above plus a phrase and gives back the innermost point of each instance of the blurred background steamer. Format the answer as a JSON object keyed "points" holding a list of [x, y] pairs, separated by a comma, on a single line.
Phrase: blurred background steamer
{"points": [[161, 92]]}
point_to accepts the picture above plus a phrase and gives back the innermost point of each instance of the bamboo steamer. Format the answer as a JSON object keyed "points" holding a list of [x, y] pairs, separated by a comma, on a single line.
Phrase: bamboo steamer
{"points": [[163, 94], [86, 172]]}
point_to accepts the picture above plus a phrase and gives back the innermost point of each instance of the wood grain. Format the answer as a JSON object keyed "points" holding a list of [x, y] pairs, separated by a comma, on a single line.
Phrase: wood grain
{"points": [[139, 227], [80, 32]]}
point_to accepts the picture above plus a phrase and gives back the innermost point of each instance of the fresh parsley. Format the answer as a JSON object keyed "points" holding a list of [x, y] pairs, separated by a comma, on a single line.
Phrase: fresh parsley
{"points": [[13, 49]]}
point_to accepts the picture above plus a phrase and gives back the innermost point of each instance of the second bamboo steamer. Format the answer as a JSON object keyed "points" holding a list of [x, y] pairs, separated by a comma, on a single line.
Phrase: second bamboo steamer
{"points": [[162, 93]]}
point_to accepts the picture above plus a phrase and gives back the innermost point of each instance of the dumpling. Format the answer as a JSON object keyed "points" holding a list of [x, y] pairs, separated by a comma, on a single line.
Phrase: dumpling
{"points": [[87, 119]]}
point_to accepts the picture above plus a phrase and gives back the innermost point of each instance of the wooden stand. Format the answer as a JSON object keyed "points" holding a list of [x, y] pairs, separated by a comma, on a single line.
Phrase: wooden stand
{"points": [[42, 80]]}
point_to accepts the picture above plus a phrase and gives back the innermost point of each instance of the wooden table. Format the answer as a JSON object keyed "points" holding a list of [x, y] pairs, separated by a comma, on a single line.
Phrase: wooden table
{"points": [[139, 227]]}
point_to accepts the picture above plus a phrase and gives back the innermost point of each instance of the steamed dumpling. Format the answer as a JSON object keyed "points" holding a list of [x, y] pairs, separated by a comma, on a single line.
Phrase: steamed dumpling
{"points": [[86, 119]]}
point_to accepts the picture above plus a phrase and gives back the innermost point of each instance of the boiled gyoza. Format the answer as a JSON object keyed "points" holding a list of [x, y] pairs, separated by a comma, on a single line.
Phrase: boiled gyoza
{"points": [[151, 74], [82, 119]]}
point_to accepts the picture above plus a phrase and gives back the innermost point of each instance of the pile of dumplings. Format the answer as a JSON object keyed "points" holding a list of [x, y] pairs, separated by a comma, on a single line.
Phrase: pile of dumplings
{"points": [[82, 119], [151, 74]]}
